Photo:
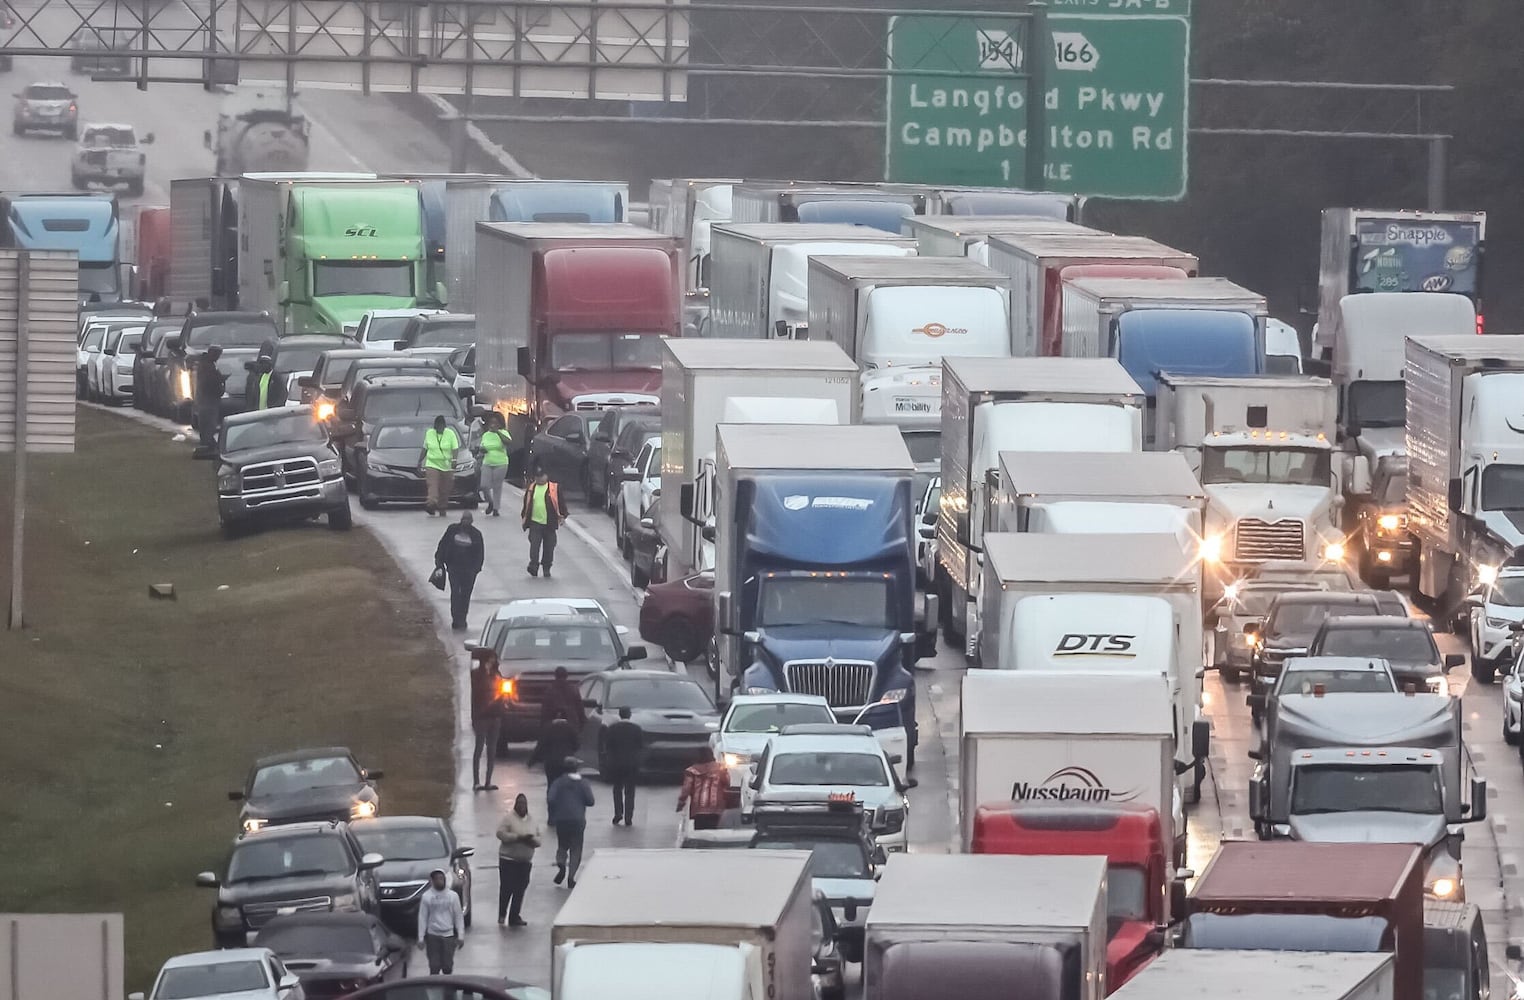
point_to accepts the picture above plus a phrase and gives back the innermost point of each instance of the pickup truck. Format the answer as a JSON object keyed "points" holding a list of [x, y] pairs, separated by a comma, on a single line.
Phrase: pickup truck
{"points": [[278, 465], [109, 154]]}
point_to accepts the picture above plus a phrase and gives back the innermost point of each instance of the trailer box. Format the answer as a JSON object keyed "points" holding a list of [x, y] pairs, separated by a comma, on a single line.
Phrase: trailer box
{"points": [[968, 236], [1192, 974], [1047, 491]]}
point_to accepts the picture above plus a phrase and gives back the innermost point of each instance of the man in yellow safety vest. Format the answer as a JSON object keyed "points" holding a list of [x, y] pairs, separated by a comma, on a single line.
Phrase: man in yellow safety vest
{"points": [[437, 463]]}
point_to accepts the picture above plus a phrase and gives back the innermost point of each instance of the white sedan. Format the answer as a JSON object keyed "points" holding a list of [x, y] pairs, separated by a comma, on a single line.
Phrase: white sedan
{"points": [[108, 374], [250, 973], [1494, 613], [754, 719]]}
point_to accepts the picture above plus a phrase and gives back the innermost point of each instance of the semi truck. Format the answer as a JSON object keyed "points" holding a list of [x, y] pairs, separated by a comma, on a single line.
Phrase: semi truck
{"points": [[258, 131], [1079, 763], [1195, 974], [968, 236], [971, 926], [707, 925], [318, 252], [990, 405], [203, 261], [876, 206], [1380, 250], [1262, 449], [1188, 326], [1301, 897], [1039, 265], [85, 223], [571, 316], [760, 281], [1099, 492], [1368, 375], [688, 208], [145, 233], [700, 381], [888, 312], [1465, 464], [534, 200], [1455, 959], [1113, 603], [814, 580], [1369, 767]]}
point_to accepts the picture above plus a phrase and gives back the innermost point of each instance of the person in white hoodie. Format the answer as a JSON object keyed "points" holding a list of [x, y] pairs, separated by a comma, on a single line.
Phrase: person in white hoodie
{"points": [[441, 924]]}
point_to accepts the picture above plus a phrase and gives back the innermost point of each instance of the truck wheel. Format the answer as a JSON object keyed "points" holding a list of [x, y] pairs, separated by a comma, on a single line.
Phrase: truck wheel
{"points": [[340, 518], [1198, 776], [926, 643], [1229, 675], [1483, 671]]}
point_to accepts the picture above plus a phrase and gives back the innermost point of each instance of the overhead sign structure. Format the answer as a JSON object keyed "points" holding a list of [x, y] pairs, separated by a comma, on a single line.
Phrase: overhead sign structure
{"points": [[1116, 101]]}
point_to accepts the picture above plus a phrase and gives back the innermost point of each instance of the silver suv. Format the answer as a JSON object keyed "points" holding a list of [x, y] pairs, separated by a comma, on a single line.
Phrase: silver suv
{"points": [[46, 107]]}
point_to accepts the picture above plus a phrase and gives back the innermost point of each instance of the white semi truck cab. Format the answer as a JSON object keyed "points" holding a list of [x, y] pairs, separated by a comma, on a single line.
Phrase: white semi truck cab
{"points": [[1262, 449]]}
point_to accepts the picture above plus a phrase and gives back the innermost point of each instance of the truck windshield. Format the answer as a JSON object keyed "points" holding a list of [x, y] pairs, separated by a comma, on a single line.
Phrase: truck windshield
{"points": [[1126, 895], [1400, 645], [1376, 404], [924, 446], [1336, 788], [1391, 491], [1503, 487], [601, 352], [298, 428], [1281, 466], [97, 276], [368, 277], [1445, 983], [805, 600]]}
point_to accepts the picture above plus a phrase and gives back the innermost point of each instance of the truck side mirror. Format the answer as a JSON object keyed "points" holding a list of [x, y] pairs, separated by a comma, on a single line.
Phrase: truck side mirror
{"points": [[725, 609], [1478, 809], [147, 139], [1453, 495], [1259, 798], [1201, 738], [522, 354], [1177, 900], [1453, 660], [685, 501]]}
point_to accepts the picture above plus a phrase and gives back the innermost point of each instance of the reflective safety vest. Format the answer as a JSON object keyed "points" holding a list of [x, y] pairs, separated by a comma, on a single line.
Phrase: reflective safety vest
{"points": [[440, 448], [264, 391], [495, 448]]}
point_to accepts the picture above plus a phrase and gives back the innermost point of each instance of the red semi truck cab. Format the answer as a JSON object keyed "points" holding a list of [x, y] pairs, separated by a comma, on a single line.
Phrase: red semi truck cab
{"points": [[1130, 838], [572, 316]]}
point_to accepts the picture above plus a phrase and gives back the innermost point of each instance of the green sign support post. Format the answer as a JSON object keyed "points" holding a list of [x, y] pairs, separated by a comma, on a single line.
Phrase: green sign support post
{"points": [[1115, 111]]}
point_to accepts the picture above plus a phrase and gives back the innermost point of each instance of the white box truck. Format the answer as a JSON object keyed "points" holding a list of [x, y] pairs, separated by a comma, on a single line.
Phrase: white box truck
{"points": [[707, 382], [707, 925], [1098, 492], [990, 405], [1262, 449], [975, 925], [1039, 266], [1395, 250], [759, 286], [888, 312], [1207, 974], [968, 235], [1465, 464], [1110, 603]]}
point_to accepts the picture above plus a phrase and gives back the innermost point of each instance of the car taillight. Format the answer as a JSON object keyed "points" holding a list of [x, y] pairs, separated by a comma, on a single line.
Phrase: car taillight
{"points": [[73, 107], [1481, 325]]}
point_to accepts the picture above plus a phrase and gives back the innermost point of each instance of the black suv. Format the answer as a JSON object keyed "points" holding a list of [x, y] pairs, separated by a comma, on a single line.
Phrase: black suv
{"points": [[391, 398], [1405, 643], [613, 446], [1290, 624], [278, 465], [239, 334], [299, 868], [145, 365], [297, 355]]}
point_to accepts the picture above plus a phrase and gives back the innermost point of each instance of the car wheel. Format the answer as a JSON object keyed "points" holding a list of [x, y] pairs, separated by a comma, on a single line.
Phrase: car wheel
{"points": [[367, 499], [1483, 671], [340, 518], [681, 640], [608, 496]]}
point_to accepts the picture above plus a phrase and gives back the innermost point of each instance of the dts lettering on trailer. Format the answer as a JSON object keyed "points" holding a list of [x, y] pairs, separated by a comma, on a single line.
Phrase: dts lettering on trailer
{"points": [[1095, 644]]}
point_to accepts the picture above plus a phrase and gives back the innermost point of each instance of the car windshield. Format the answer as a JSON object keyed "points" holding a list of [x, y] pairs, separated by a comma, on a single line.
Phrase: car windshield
{"points": [[401, 436], [334, 369], [300, 775], [653, 693], [107, 137], [1400, 645], [558, 643], [1337, 681], [418, 844], [770, 717], [803, 600], [1376, 404], [828, 767], [1126, 894], [268, 856], [828, 858], [189, 981], [233, 334], [1391, 491], [386, 328], [1503, 487], [1285, 466], [1256, 600], [296, 428], [326, 939], [456, 333], [41, 92], [362, 371], [427, 401], [1306, 617], [124, 341], [1336, 788], [598, 352], [1508, 591], [370, 277], [299, 359]]}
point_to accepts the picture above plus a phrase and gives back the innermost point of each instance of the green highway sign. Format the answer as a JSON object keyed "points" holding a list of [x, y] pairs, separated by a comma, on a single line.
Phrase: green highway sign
{"points": [[1117, 86]]}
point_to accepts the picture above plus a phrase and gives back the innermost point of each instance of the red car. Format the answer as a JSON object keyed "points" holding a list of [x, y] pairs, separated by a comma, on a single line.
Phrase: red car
{"points": [[678, 615]]}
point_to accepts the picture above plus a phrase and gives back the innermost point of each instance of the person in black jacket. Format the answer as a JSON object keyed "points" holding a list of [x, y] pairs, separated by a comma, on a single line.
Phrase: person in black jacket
{"points": [[558, 743], [460, 554], [208, 387], [621, 758]]}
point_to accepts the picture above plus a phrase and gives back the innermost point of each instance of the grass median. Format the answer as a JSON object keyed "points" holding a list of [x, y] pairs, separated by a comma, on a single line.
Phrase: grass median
{"points": [[124, 720]]}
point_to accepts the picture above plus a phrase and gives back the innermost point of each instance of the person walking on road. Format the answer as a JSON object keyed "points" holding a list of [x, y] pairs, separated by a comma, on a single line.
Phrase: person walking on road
{"points": [[518, 835], [705, 788], [494, 452], [441, 924], [570, 798], [563, 699], [460, 554], [557, 744], [622, 746], [437, 463], [486, 716], [542, 515], [209, 386]]}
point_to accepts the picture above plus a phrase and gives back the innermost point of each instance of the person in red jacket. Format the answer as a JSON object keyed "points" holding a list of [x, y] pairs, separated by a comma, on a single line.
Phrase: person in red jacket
{"points": [[705, 787]]}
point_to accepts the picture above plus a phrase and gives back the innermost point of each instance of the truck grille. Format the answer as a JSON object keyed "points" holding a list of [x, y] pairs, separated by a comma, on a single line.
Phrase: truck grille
{"points": [[256, 915], [291, 473], [1256, 540], [842, 683]]}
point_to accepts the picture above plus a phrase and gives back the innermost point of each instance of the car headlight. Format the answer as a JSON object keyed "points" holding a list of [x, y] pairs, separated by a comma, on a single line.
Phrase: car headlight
{"points": [[1333, 551], [228, 915], [345, 901], [1444, 887], [123, 362], [329, 467], [184, 383], [322, 409], [1498, 622], [362, 809], [465, 464], [1211, 549], [1487, 575], [1389, 522], [1437, 685], [736, 759], [252, 825], [227, 479]]}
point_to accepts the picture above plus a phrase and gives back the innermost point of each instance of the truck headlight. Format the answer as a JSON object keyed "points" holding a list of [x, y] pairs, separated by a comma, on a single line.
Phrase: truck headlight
{"points": [[329, 467], [362, 809], [735, 759], [1486, 574], [1389, 522], [1333, 552], [1211, 549], [123, 362], [891, 697], [185, 385], [1437, 685], [322, 409]]}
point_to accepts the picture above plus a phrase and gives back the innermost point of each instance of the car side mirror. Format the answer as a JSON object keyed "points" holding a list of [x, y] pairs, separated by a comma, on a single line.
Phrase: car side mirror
{"points": [[648, 523], [590, 703], [634, 653], [207, 880], [1477, 811], [1453, 660], [307, 382], [289, 982], [370, 861], [235, 796], [374, 775], [575, 437], [895, 758], [463, 852], [147, 139]]}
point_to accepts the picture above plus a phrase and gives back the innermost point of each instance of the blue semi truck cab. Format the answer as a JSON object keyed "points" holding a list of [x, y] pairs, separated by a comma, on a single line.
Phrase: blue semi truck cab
{"points": [[815, 571], [83, 223], [558, 201]]}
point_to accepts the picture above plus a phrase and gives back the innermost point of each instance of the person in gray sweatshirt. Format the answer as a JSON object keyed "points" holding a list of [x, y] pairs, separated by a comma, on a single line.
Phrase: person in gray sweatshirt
{"points": [[569, 797], [441, 924]]}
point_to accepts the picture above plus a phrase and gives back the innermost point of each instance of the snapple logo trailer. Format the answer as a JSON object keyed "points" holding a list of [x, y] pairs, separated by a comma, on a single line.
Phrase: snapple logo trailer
{"points": [[1069, 784]]}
